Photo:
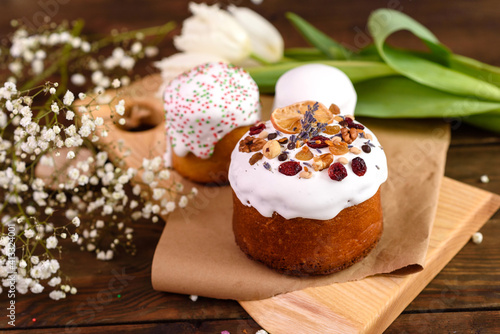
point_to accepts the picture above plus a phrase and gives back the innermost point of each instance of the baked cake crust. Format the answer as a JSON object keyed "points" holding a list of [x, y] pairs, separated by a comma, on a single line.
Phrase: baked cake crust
{"points": [[213, 169], [304, 247]]}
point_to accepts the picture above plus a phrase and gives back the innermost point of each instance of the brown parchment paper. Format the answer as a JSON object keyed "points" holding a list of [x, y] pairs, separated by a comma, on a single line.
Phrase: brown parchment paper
{"points": [[197, 253]]}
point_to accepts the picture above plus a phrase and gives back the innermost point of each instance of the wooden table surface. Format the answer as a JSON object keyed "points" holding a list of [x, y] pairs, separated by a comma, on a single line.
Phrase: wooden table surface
{"points": [[463, 298]]}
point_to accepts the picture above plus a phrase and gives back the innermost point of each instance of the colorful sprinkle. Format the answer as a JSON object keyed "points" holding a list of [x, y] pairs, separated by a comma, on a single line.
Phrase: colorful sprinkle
{"points": [[206, 103]]}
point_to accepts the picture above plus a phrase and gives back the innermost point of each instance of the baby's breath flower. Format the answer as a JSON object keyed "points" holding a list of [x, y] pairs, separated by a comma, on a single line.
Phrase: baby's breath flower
{"points": [[29, 234], [70, 115], [54, 281], [37, 288], [76, 221], [57, 294], [54, 107], [170, 206], [51, 242], [183, 202], [69, 97], [77, 79]]}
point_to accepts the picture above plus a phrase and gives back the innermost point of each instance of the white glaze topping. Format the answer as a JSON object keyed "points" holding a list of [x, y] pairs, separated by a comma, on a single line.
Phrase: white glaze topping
{"points": [[319, 197], [317, 82], [206, 103]]}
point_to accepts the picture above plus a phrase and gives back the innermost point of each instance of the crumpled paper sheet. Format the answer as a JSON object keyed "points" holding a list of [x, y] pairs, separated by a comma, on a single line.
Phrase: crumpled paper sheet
{"points": [[197, 253]]}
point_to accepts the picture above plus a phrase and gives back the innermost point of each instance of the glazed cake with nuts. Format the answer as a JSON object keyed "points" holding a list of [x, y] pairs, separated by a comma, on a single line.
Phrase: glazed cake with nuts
{"points": [[306, 190]]}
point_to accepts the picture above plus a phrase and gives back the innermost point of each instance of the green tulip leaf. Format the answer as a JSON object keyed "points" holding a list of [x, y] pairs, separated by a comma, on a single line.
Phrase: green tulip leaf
{"points": [[399, 97], [384, 22], [267, 76], [318, 39], [489, 121]]}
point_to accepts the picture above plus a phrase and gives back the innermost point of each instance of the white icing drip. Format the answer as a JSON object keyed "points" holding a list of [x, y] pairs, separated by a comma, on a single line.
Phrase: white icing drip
{"points": [[316, 198], [205, 104], [317, 82]]}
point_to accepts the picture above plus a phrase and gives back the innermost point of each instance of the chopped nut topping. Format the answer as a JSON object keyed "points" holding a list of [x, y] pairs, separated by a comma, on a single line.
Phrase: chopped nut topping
{"points": [[336, 140], [271, 149], [346, 135], [338, 118], [322, 162], [304, 154], [349, 135], [354, 134], [251, 144], [343, 160], [368, 136], [256, 157], [305, 175], [355, 150], [263, 134]]}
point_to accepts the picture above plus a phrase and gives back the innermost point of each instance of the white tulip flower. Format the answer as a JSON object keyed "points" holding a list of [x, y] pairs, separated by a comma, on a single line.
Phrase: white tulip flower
{"points": [[267, 43], [215, 31]]}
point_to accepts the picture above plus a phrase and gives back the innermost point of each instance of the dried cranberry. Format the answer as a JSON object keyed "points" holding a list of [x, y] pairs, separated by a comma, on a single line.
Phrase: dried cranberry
{"points": [[256, 129], [317, 142], [350, 124], [290, 168], [366, 148], [356, 126], [358, 166], [337, 171]]}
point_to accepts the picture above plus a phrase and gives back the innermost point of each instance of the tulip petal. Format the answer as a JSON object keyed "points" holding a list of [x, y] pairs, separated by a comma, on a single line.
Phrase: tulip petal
{"points": [[267, 42], [212, 30]]}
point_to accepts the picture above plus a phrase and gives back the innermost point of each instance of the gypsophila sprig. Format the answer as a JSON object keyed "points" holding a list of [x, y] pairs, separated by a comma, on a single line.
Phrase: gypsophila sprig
{"points": [[57, 183], [50, 166]]}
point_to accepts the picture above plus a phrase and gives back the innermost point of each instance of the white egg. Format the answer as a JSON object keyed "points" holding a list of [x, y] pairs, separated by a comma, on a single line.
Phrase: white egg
{"points": [[317, 82]]}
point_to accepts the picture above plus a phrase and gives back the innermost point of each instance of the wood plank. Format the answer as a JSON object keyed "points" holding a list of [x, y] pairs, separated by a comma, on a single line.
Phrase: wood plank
{"points": [[442, 322], [470, 281], [164, 328], [96, 303], [446, 322], [370, 305], [468, 163]]}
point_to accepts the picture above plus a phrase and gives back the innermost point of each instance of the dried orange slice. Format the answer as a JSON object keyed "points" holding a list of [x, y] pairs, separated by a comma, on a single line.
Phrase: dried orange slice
{"points": [[287, 119]]}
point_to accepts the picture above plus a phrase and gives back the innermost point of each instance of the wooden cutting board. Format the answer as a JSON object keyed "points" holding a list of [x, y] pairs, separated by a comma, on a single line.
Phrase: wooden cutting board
{"points": [[366, 306]]}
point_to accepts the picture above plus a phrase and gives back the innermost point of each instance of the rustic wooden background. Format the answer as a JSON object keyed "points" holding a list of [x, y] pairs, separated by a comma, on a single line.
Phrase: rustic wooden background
{"points": [[463, 298]]}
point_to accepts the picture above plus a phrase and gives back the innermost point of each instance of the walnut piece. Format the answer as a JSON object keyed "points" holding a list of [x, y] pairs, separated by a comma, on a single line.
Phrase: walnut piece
{"points": [[251, 144]]}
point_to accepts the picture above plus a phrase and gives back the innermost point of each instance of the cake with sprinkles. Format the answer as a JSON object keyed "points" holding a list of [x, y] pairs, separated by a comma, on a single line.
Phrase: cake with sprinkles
{"points": [[207, 110], [306, 190]]}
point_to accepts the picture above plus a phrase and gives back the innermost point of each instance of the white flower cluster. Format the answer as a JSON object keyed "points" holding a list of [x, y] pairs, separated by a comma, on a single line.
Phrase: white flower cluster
{"points": [[29, 49], [92, 187], [32, 52]]}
